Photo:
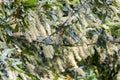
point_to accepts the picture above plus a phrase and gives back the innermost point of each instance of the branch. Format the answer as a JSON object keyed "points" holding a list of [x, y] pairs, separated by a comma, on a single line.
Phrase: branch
{"points": [[63, 26]]}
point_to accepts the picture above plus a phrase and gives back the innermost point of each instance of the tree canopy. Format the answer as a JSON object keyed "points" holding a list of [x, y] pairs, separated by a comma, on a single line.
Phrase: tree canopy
{"points": [[59, 39]]}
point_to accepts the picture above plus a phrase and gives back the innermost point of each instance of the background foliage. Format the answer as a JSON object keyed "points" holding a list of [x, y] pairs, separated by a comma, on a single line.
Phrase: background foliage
{"points": [[59, 39]]}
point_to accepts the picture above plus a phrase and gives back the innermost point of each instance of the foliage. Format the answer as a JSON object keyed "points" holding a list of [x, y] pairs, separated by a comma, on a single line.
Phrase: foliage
{"points": [[59, 39]]}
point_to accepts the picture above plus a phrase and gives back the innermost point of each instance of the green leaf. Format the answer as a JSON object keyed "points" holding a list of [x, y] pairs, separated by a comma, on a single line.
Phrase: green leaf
{"points": [[118, 15], [114, 27], [26, 51], [30, 2], [57, 4], [55, 77], [16, 28], [1, 39]]}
